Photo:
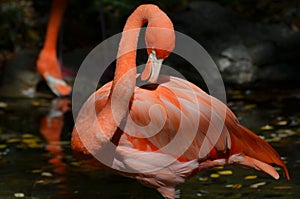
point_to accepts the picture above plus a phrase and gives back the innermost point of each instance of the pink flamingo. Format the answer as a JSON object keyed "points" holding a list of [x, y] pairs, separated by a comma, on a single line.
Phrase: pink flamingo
{"points": [[47, 64], [101, 119]]}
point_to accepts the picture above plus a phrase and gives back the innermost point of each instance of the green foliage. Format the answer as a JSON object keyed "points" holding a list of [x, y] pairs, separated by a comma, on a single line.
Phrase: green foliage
{"points": [[16, 23]]}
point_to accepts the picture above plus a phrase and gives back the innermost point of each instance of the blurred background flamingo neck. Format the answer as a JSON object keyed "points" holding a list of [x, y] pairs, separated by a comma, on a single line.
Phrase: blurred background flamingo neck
{"points": [[57, 11], [125, 75]]}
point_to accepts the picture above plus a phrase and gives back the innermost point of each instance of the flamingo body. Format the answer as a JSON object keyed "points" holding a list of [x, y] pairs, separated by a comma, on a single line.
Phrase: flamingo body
{"points": [[47, 64], [236, 144], [164, 132]]}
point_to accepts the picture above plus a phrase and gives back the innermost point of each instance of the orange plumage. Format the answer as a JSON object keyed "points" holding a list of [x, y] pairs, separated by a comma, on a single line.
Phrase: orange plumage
{"points": [[187, 129]]}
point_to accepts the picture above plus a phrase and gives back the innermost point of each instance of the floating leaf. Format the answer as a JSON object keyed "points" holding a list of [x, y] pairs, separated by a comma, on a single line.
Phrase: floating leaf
{"points": [[236, 94], [27, 135], [219, 167], [36, 103], [75, 164], [47, 174], [199, 194], [250, 106], [19, 195], [34, 145], [262, 137], [3, 146], [250, 177], [282, 187], [3, 105], [267, 127], [273, 135], [237, 186], [225, 172], [36, 171], [234, 186], [28, 141], [286, 132], [214, 175], [256, 185], [282, 123], [203, 179], [13, 140]]}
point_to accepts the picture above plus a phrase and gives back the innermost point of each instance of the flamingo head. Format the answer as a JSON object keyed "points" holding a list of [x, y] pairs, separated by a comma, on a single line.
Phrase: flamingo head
{"points": [[58, 86], [160, 43]]}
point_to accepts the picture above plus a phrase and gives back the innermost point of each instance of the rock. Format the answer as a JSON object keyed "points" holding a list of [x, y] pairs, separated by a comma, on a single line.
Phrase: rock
{"points": [[19, 77], [261, 53], [237, 63], [245, 51]]}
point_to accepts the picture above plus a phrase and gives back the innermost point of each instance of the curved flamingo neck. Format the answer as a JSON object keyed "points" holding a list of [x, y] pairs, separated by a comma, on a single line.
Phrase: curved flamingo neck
{"points": [[125, 74]]}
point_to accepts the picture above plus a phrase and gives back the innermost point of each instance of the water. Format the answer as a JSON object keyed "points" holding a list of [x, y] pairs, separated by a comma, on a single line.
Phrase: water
{"points": [[36, 160]]}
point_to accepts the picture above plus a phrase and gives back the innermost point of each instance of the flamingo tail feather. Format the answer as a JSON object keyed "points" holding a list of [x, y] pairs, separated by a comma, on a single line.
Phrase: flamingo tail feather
{"points": [[250, 150]]}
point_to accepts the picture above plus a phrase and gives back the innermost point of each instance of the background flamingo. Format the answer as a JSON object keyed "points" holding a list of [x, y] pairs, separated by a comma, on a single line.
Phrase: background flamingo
{"points": [[104, 118], [47, 64]]}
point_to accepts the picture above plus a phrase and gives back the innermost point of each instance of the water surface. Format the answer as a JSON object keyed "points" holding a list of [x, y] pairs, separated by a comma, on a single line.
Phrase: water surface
{"points": [[37, 164]]}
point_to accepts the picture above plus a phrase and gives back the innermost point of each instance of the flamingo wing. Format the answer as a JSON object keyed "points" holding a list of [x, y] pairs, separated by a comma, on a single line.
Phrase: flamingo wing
{"points": [[179, 119], [176, 112]]}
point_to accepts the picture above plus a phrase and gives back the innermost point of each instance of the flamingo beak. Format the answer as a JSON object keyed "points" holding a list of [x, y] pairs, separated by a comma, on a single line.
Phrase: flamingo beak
{"points": [[58, 86], [152, 68]]}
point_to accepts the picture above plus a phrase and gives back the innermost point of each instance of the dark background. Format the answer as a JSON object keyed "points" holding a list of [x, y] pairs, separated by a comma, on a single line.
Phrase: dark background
{"points": [[254, 43]]}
